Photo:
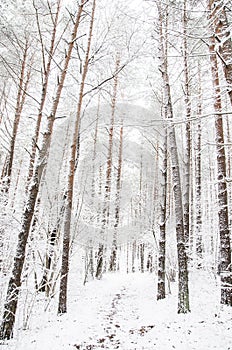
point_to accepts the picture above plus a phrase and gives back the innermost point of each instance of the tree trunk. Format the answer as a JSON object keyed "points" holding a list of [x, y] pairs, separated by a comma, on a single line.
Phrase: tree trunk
{"points": [[199, 246], [22, 88], [92, 203], [141, 253], [10, 307], [106, 208], [224, 233], [53, 236], [46, 75], [183, 291], [113, 257], [52, 241], [133, 252], [222, 32], [162, 224], [62, 307], [187, 165]]}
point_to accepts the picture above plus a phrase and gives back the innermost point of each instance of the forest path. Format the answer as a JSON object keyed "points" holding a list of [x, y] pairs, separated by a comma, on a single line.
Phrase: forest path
{"points": [[121, 312], [120, 319]]}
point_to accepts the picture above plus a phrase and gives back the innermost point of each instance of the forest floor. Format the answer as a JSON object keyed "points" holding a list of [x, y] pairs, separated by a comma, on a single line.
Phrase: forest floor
{"points": [[121, 312]]}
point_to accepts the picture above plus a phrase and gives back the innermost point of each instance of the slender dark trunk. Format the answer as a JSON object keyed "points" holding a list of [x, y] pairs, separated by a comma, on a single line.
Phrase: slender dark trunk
{"points": [[222, 32], [113, 257], [46, 75], [162, 224], [106, 205], [10, 307], [183, 291], [93, 185], [223, 214], [199, 243], [62, 306], [141, 252], [187, 165], [7, 170], [134, 245], [52, 241]]}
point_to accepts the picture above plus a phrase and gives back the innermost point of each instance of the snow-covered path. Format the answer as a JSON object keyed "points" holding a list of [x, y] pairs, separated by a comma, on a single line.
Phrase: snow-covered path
{"points": [[121, 312]]}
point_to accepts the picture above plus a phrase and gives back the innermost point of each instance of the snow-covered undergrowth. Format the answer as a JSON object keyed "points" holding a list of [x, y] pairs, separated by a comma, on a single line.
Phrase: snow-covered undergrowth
{"points": [[121, 312]]}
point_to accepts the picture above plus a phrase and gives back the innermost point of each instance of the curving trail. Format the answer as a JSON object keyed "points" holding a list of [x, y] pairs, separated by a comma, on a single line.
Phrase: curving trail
{"points": [[121, 322], [121, 312]]}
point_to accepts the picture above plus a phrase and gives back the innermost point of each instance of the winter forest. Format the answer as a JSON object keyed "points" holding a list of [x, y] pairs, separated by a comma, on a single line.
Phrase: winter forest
{"points": [[115, 174]]}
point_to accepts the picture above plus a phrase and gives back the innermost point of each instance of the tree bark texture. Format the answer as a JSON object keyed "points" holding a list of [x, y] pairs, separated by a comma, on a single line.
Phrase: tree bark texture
{"points": [[46, 74], [183, 291], [22, 88], [93, 188], [105, 212], [134, 246], [223, 215], [187, 162], [222, 33], [199, 243], [141, 253], [10, 307], [62, 306], [162, 224], [113, 257]]}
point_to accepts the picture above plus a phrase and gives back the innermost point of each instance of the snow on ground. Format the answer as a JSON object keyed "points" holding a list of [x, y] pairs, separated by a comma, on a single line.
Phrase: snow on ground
{"points": [[121, 312]]}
